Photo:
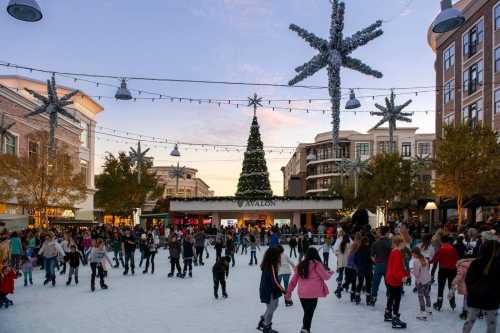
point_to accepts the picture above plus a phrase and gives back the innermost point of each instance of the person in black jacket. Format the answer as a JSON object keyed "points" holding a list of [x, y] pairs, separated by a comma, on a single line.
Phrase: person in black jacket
{"points": [[128, 248], [73, 258], [303, 245], [364, 270], [220, 272], [270, 289], [293, 246], [483, 287], [174, 248], [188, 255], [230, 248]]}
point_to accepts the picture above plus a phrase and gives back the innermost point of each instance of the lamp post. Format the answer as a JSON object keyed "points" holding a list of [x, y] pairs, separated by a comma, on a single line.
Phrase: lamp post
{"points": [[449, 19], [178, 172], [431, 207]]}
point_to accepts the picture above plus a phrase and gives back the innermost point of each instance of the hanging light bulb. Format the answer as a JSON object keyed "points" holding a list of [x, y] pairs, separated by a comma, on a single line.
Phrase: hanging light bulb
{"points": [[175, 152], [449, 19], [353, 102], [123, 93], [25, 10]]}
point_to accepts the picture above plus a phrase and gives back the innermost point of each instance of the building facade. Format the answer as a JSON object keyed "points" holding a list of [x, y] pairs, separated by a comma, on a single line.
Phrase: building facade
{"points": [[316, 176], [468, 67], [190, 186], [16, 103]]}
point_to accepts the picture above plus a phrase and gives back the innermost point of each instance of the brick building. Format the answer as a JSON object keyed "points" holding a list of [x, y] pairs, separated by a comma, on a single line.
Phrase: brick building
{"points": [[16, 103], [302, 177], [468, 67]]}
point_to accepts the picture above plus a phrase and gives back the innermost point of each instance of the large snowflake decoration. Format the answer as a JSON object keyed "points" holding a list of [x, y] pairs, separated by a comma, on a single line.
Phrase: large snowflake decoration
{"points": [[53, 106], [177, 173], [357, 167], [255, 101], [390, 114], [334, 54], [4, 128], [138, 156]]}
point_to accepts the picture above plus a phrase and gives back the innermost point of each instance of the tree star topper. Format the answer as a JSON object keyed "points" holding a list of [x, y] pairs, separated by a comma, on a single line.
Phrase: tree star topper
{"points": [[334, 54], [255, 101], [391, 113], [53, 106]]}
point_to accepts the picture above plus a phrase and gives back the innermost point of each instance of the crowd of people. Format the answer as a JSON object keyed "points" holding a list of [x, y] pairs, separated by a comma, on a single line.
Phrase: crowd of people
{"points": [[465, 261]]}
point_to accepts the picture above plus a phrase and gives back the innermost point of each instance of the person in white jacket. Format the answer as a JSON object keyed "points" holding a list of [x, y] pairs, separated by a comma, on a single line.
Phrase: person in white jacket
{"points": [[49, 251], [285, 270]]}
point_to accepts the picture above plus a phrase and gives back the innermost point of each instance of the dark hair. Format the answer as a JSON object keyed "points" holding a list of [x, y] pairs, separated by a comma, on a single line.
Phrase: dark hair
{"points": [[73, 246], [280, 248], [426, 241], [343, 244], [384, 230], [416, 251], [271, 259], [445, 239], [303, 267]]}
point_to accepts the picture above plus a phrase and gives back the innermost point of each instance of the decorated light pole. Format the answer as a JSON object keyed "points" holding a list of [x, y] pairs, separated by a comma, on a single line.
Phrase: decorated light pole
{"points": [[334, 54], [53, 106], [391, 113], [4, 128], [357, 167], [138, 156]]}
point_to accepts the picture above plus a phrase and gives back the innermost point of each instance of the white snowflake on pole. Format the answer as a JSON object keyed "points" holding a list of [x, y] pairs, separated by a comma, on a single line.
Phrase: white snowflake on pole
{"points": [[138, 156], [334, 54], [392, 113]]}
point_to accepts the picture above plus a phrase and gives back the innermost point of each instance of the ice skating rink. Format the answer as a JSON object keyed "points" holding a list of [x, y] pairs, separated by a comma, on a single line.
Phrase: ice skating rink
{"points": [[155, 303]]}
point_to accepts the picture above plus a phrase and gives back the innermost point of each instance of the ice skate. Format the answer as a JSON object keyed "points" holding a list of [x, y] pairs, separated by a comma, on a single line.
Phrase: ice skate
{"points": [[453, 303], [68, 282], [104, 286], [422, 315], [463, 315], [224, 295], [397, 323], [357, 299], [338, 293], [170, 275], [353, 297], [387, 316], [260, 325], [438, 305]]}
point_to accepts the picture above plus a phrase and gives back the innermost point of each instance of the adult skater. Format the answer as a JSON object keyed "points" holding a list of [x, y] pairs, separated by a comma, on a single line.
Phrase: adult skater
{"points": [[310, 275], [128, 248], [96, 256], [174, 249], [230, 248], [220, 272], [447, 258], [285, 271], [380, 251], [395, 277], [483, 287], [199, 244], [50, 250], [187, 255], [270, 289], [152, 244]]}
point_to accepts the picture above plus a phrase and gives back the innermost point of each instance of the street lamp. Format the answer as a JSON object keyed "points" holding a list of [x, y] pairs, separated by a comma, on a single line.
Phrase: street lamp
{"points": [[353, 102], [25, 10], [449, 19], [431, 206], [175, 152], [123, 93]]}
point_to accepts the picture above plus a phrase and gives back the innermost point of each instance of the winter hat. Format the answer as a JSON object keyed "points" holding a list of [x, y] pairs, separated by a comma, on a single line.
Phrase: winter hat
{"points": [[143, 236]]}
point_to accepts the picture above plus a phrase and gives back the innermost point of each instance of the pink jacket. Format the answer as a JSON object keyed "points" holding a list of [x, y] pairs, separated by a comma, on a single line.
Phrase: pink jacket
{"points": [[459, 280], [314, 286]]}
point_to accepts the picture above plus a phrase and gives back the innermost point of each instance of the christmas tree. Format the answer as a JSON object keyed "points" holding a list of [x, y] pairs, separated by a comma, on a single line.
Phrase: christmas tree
{"points": [[254, 177]]}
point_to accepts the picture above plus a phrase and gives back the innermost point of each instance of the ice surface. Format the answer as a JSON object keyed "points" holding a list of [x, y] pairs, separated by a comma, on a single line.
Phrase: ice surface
{"points": [[154, 303]]}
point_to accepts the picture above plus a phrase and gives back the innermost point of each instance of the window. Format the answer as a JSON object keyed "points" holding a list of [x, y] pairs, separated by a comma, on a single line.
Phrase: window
{"points": [[449, 91], [497, 99], [473, 113], [497, 60], [472, 38], [84, 170], [449, 119], [10, 144], [497, 17], [427, 179], [362, 149], [424, 149], [32, 150], [84, 135], [342, 151], [406, 149], [449, 57], [473, 78], [383, 146]]}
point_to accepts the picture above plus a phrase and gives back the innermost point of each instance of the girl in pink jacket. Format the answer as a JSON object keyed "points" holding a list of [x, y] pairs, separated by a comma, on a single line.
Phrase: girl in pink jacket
{"points": [[458, 283], [310, 275]]}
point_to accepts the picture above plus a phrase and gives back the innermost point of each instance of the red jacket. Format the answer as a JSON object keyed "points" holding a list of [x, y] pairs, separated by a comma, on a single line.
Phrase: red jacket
{"points": [[446, 257], [396, 270], [7, 283]]}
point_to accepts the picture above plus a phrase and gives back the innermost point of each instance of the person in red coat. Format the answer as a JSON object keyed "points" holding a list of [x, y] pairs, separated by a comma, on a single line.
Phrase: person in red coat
{"points": [[446, 257], [395, 276], [7, 286]]}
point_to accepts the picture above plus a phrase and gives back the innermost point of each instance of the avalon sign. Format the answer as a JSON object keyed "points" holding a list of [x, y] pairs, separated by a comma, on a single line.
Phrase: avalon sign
{"points": [[255, 205]]}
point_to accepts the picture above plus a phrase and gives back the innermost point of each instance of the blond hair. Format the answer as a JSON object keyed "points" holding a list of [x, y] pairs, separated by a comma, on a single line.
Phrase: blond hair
{"points": [[397, 241]]}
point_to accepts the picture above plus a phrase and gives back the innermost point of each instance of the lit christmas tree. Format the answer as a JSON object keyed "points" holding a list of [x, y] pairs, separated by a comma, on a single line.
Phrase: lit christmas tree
{"points": [[254, 177]]}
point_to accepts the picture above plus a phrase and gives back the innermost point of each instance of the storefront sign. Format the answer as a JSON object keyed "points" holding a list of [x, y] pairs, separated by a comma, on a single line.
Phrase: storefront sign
{"points": [[256, 203]]}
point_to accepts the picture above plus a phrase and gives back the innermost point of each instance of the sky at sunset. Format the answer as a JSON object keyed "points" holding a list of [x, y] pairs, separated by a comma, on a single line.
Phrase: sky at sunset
{"points": [[230, 40]]}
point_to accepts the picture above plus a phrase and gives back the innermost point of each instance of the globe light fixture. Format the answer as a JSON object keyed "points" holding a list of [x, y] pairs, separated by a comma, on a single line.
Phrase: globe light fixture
{"points": [[25, 10], [353, 102], [449, 19], [123, 93], [175, 152]]}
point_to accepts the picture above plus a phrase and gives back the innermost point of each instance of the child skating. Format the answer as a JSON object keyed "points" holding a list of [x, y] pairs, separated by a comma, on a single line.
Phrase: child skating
{"points": [[220, 272]]}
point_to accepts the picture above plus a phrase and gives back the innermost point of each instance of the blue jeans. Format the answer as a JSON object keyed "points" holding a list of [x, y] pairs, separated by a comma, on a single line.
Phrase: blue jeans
{"points": [[285, 278], [378, 275], [50, 268]]}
